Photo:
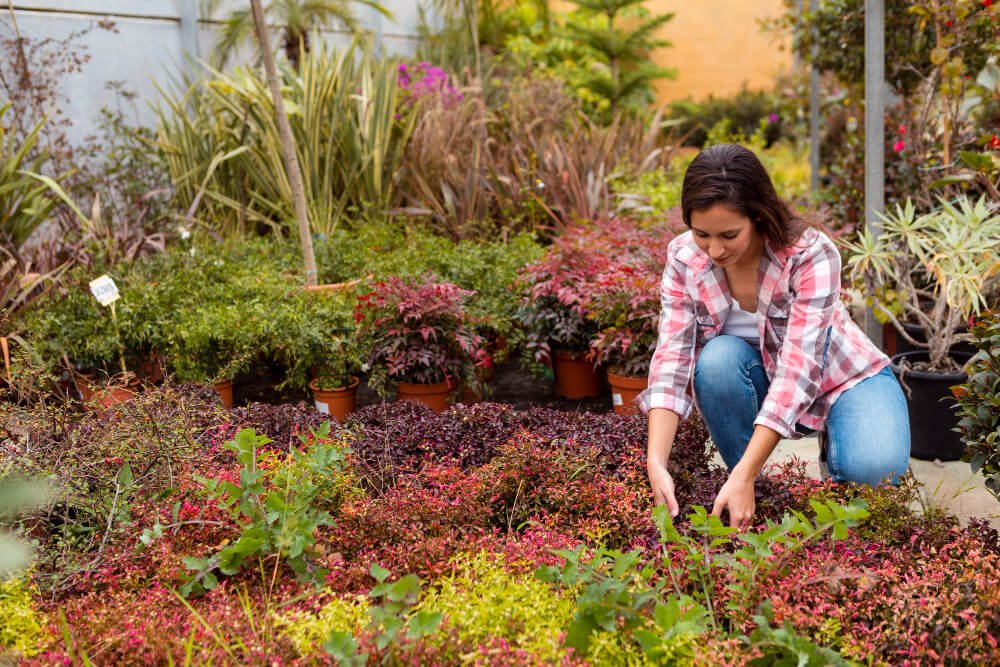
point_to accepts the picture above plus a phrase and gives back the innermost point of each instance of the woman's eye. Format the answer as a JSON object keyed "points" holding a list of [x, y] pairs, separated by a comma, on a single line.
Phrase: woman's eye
{"points": [[729, 237]]}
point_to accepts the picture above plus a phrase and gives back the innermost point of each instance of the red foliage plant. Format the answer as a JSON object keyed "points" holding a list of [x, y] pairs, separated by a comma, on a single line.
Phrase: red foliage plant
{"points": [[417, 330]]}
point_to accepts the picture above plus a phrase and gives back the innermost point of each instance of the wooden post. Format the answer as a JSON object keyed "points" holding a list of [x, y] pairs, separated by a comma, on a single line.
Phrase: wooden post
{"points": [[874, 132], [287, 144]]}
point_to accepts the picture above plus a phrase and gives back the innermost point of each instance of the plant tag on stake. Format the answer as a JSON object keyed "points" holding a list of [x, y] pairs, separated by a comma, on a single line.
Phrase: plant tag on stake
{"points": [[104, 290]]}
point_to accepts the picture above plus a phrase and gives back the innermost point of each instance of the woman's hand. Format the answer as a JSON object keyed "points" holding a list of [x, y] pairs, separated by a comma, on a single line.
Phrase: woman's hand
{"points": [[737, 496], [663, 486]]}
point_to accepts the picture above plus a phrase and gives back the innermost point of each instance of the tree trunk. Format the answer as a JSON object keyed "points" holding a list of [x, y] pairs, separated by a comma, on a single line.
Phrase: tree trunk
{"points": [[287, 144]]}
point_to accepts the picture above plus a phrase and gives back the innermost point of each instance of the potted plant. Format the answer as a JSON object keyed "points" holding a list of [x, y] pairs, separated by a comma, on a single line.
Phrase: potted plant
{"points": [[979, 402], [625, 303], [212, 344], [939, 264], [316, 341], [421, 339], [557, 331]]}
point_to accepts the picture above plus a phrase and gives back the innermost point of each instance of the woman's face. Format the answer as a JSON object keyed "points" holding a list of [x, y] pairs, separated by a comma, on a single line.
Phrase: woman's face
{"points": [[729, 238]]}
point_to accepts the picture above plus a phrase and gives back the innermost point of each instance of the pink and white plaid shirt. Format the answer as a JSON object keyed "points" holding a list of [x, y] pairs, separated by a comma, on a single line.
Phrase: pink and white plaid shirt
{"points": [[812, 349]]}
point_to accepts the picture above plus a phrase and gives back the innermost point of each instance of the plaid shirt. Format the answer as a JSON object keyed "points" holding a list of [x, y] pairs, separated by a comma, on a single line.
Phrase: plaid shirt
{"points": [[812, 349]]}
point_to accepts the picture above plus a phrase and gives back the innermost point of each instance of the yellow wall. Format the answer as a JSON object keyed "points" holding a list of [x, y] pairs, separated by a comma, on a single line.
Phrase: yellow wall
{"points": [[718, 46]]}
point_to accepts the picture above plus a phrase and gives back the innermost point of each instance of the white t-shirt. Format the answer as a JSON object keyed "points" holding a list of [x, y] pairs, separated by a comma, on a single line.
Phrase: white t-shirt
{"points": [[742, 324]]}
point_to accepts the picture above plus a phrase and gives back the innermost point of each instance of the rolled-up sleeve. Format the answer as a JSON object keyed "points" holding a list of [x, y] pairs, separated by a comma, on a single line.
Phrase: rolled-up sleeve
{"points": [[814, 286], [673, 360]]}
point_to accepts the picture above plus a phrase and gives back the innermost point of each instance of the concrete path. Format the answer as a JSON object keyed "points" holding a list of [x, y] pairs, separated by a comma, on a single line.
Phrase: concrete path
{"points": [[950, 484]]}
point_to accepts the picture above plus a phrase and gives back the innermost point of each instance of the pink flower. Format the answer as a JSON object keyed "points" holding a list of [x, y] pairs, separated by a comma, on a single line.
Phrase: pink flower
{"points": [[902, 129], [898, 146]]}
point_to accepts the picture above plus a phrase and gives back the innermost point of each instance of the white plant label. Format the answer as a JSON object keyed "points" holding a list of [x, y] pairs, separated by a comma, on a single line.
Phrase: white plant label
{"points": [[104, 290], [324, 408], [616, 398]]}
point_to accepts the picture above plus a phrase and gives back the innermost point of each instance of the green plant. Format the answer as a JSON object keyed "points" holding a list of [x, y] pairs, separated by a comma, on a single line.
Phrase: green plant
{"points": [[666, 616], [277, 511], [21, 624], [307, 630], [25, 203], [947, 257], [391, 611], [622, 34], [979, 402], [296, 20], [483, 600], [936, 54], [316, 339], [222, 149], [746, 111]]}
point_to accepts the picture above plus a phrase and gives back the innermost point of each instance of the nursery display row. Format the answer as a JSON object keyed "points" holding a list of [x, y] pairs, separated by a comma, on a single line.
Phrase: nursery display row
{"points": [[399, 306]]}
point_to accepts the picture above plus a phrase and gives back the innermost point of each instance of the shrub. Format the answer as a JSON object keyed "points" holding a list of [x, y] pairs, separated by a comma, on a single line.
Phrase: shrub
{"points": [[418, 331], [101, 467], [485, 602], [21, 625], [597, 289], [745, 111], [220, 141], [979, 402], [277, 505], [309, 631]]}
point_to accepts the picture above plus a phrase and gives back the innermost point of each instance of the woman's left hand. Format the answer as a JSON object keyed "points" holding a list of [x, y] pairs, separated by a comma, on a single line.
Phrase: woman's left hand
{"points": [[737, 496]]}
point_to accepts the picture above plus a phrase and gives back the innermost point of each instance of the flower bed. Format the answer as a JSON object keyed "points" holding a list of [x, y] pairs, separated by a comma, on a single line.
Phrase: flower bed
{"points": [[479, 534]]}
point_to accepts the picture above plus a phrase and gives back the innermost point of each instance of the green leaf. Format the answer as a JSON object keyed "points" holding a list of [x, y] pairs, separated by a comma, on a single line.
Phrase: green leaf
{"points": [[343, 647], [423, 623], [978, 161], [379, 573], [125, 477]]}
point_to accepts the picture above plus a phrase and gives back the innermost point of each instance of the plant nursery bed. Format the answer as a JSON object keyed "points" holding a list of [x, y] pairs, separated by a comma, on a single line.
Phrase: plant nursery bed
{"points": [[486, 534]]}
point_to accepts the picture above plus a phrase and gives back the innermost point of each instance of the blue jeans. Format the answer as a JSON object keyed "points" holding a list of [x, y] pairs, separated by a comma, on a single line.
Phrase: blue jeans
{"points": [[868, 428]]}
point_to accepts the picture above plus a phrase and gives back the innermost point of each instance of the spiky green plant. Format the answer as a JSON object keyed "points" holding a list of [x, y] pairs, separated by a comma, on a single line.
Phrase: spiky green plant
{"points": [[223, 151], [947, 258]]}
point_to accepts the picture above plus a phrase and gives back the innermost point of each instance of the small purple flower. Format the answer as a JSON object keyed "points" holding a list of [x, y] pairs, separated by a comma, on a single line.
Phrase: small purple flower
{"points": [[773, 118], [423, 79]]}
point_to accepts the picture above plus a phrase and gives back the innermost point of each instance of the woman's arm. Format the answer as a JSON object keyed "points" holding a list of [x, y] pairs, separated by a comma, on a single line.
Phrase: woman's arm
{"points": [[662, 431], [737, 494]]}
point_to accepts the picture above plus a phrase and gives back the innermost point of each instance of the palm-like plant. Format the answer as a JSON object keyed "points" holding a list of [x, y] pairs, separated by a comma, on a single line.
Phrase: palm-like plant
{"points": [[295, 19], [940, 264]]}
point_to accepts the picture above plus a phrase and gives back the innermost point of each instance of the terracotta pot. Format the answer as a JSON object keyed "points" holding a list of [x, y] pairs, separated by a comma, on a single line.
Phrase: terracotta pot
{"points": [[224, 388], [86, 386], [575, 376], [151, 368], [100, 396], [624, 389], [110, 396], [435, 396], [336, 402]]}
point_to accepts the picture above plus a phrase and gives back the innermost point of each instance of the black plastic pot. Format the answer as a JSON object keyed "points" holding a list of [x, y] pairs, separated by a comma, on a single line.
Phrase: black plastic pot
{"points": [[932, 408]]}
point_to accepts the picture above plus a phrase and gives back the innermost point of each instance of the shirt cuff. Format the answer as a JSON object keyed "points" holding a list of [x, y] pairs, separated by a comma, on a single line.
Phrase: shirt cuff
{"points": [[778, 426], [660, 398]]}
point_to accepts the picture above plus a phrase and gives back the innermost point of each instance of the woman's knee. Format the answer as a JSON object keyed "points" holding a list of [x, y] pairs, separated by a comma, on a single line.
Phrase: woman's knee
{"points": [[869, 430], [721, 356]]}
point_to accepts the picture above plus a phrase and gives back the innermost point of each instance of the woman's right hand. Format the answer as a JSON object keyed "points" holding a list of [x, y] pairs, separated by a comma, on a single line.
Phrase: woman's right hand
{"points": [[663, 486]]}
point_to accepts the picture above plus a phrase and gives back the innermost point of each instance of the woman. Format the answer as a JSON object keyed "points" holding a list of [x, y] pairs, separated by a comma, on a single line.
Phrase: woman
{"points": [[752, 314]]}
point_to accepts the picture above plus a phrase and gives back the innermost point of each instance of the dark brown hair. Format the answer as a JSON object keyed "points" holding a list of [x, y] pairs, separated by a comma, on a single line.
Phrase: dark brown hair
{"points": [[731, 175]]}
